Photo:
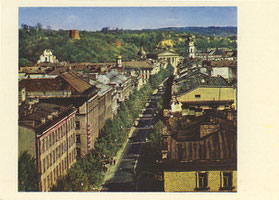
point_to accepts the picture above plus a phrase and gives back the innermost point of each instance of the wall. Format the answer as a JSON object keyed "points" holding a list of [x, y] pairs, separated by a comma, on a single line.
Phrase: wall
{"points": [[26, 141], [208, 129], [56, 151], [187, 181], [208, 94], [93, 119], [225, 72], [49, 94]]}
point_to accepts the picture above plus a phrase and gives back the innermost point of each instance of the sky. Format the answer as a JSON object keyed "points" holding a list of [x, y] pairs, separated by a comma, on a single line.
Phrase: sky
{"points": [[95, 18]]}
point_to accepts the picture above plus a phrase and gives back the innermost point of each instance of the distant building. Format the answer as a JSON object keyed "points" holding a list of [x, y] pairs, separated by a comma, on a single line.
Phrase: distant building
{"points": [[144, 67], [217, 54], [47, 132], [168, 55], [47, 57], [119, 81], [74, 34]]}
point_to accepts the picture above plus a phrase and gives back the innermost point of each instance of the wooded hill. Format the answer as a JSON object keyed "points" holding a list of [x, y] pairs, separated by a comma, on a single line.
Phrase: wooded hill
{"points": [[104, 46]]}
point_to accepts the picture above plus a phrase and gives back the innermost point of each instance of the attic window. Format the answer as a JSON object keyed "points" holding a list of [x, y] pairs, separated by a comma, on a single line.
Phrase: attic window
{"points": [[197, 96]]}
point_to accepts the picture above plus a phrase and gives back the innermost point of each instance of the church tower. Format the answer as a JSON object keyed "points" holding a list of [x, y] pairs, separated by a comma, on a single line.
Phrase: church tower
{"points": [[190, 46], [118, 61]]}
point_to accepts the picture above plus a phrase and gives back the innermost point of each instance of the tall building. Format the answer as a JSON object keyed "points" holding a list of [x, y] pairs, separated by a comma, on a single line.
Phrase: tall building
{"points": [[47, 132], [66, 89]]}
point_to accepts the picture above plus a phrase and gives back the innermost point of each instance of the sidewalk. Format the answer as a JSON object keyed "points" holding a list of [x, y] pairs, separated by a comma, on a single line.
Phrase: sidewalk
{"points": [[112, 168]]}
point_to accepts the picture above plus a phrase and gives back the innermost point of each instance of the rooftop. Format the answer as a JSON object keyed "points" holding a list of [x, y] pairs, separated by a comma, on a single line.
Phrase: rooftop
{"points": [[79, 84], [41, 116], [224, 63], [113, 77], [206, 143], [146, 64], [64, 82], [43, 84], [197, 79]]}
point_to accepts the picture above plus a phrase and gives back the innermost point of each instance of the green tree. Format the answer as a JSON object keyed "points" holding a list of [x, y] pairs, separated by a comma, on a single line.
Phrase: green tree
{"points": [[28, 177]]}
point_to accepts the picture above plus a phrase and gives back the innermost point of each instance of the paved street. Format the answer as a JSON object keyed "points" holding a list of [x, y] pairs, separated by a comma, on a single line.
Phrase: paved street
{"points": [[122, 177]]}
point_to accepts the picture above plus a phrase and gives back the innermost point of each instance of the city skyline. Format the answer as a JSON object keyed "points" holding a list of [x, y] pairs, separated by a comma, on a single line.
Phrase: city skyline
{"points": [[136, 18]]}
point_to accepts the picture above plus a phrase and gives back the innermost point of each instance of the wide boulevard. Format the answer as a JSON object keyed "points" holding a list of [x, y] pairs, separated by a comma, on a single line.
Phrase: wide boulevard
{"points": [[123, 177]]}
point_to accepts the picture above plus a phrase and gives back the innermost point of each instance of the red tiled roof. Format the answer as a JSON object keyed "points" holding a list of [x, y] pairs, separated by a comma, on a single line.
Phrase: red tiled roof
{"points": [[75, 81], [63, 82], [224, 63], [219, 145], [43, 84]]}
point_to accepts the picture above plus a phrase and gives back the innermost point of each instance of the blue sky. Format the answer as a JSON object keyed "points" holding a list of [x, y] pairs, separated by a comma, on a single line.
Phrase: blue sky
{"points": [[95, 18]]}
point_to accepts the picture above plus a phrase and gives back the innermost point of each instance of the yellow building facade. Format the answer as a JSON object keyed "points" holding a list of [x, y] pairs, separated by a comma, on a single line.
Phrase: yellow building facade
{"points": [[208, 94], [191, 181]]}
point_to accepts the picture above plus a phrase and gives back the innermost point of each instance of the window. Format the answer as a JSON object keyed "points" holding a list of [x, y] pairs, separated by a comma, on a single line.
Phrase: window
{"points": [[48, 182], [57, 172], [57, 154], [202, 181], [77, 125], [78, 152], [179, 152], [44, 165], [49, 140], [60, 168], [65, 163], [45, 188], [227, 182], [53, 137], [56, 135], [54, 156], [65, 146], [50, 159], [47, 162], [197, 96], [54, 174], [50, 177], [43, 145], [73, 123], [78, 139]]}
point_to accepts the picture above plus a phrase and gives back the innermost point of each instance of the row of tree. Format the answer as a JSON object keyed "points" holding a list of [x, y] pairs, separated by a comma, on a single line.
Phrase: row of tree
{"points": [[148, 167]]}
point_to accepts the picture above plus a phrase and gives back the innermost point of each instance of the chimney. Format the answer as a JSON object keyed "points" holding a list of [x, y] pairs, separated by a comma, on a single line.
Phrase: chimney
{"points": [[118, 61]]}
